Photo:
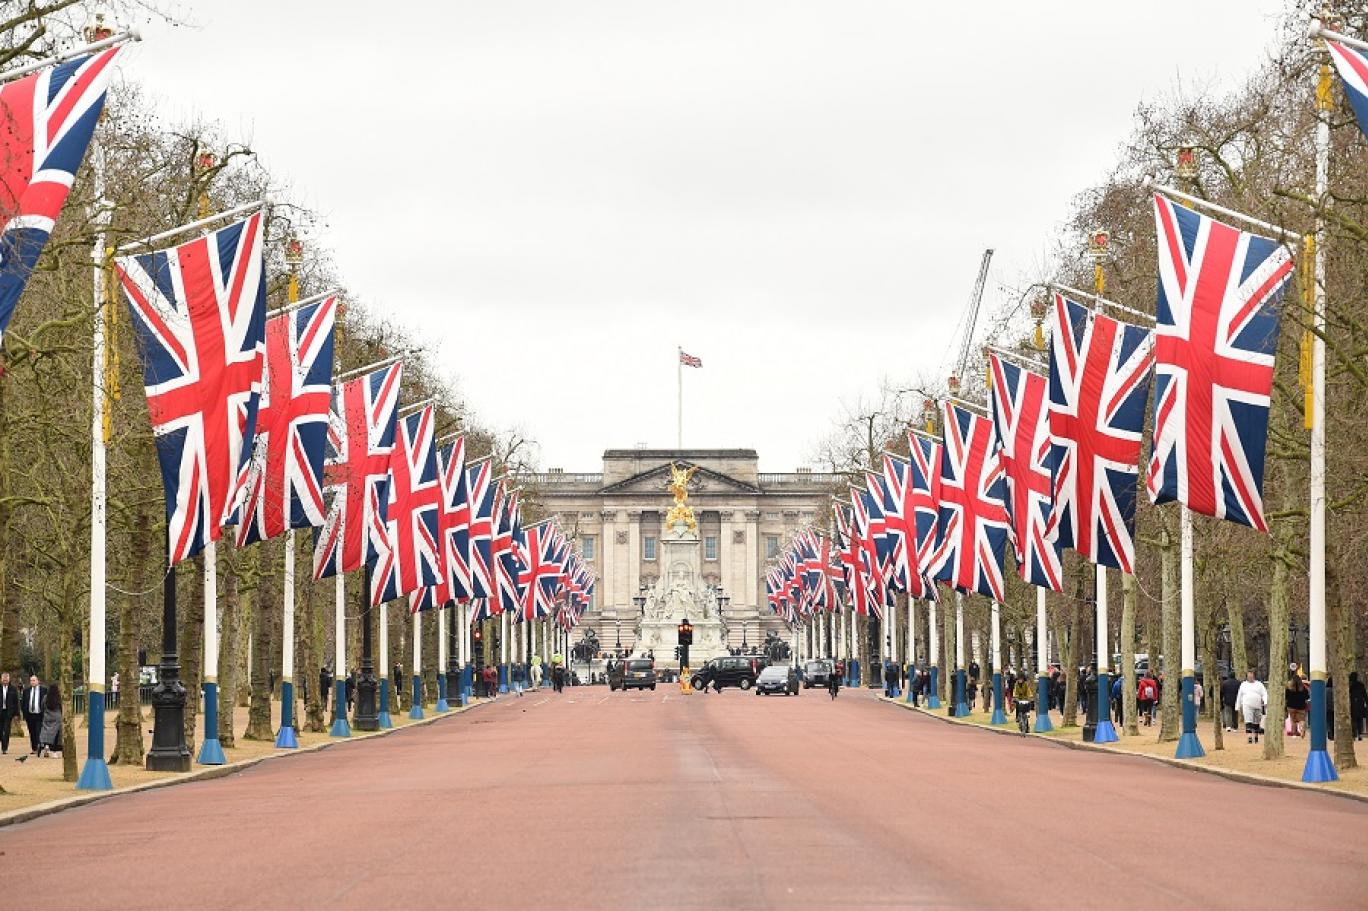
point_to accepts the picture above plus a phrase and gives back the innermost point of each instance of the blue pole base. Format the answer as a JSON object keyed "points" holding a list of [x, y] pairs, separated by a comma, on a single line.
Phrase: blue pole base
{"points": [[503, 678], [442, 705], [95, 775], [933, 698], [286, 739], [961, 710], [340, 727], [933, 701], [415, 712], [95, 772], [854, 673], [1106, 733], [1043, 725], [211, 753], [998, 716], [1318, 767], [1189, 747], [382, 718]]}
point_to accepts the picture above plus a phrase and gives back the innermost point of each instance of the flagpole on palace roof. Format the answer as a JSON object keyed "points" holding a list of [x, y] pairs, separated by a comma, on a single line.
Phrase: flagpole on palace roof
{"points": [[679, 412]]}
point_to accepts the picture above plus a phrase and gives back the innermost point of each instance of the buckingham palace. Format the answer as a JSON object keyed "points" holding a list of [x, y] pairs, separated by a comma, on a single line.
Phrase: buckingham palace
{"points": [[745, 518]]}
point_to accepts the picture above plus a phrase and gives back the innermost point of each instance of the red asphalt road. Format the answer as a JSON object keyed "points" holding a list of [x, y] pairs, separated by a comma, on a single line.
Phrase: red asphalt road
{"points": [[598, 800]]}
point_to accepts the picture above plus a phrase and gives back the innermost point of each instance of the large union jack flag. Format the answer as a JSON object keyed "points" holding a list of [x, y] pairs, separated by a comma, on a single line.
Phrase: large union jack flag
{"points": [[356, 471], [866, 531], [540, 574], [410, 557], [1353, 69], [480, 534], [1021, 428], [924, 458], [900, 522], [972, 528], [507, 550], [285, 478], [453, 533], [46, 122], [1099, 380], [199, 310], [1215, 335]]}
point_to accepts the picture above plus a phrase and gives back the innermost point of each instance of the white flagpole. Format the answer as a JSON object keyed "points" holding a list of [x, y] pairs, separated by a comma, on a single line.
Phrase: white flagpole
{"points": [[211, 751], [1189, 747], [1042, 722], [1105, 732], [286, 737], [442, 696], [340, 726], [933, 641], [95, 771], [961, 706], [679, 376], [999, 717]]}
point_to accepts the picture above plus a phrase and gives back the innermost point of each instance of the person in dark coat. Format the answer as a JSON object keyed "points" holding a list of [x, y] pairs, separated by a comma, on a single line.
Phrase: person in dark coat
{"points": [[9, 709], [33, 712], [50, 738], [1230, 688], [351, 689], [1358, 704], [325, 684]]}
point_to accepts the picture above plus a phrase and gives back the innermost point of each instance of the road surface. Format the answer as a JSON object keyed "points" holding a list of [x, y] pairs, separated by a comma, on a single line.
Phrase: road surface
{"points": [[655, 800]]}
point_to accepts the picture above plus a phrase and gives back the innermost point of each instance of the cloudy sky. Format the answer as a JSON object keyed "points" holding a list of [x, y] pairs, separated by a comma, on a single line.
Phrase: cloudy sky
{"points": [[557, 193]]}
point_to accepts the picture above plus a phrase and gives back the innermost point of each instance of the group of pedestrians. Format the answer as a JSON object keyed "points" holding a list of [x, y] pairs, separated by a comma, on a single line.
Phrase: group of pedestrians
{"points": [[40, 705]]}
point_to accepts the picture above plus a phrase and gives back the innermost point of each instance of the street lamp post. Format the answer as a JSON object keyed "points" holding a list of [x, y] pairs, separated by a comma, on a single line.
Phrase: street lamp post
{"points": [[366, 716]]}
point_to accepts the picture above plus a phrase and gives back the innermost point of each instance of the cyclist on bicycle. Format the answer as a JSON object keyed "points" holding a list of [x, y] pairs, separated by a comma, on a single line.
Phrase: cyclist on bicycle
{"points": [[834, 681], [1023, 697]]}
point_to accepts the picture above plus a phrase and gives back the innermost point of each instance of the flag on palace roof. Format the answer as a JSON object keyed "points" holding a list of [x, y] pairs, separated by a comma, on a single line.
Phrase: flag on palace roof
{"points": [[1353, 69], [1099, 380], [285, 477], [1215, 336], [49, 118], [199, 310], [973, 514], [356, 471], [1021, 428], [688, 360]]}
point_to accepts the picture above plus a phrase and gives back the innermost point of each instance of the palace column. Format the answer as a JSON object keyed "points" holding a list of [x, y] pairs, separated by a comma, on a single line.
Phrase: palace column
{"points": [[752, 577], [607, 584], [634, 554]]}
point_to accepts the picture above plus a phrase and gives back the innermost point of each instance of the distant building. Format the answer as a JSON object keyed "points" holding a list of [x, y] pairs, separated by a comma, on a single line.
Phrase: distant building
{"points": [[745, 518]]}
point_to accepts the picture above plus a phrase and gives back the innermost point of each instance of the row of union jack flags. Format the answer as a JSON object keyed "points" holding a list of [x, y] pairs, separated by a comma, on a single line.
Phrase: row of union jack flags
{"points": [[1053, 462]]}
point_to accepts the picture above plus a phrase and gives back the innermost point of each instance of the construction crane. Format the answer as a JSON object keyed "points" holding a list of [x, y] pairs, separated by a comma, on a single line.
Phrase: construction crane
{"points": [[975, 299]]}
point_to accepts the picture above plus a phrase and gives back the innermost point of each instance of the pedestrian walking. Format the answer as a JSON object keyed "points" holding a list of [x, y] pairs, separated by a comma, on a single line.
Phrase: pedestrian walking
{"points": [[1230, 689], [1358, 704], [325, 682], [558, 678], [9, 709], [1250, 700], [399, 679], [33, 712], [536, 673], [1116, 700], [114, 690], [50, 737], [1298, 697], [1146, 695], [351, 689]]}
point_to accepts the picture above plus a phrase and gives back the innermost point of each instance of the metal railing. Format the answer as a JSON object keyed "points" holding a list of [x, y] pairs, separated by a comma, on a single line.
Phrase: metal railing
{"points": [[800, 478], [561, 477]]}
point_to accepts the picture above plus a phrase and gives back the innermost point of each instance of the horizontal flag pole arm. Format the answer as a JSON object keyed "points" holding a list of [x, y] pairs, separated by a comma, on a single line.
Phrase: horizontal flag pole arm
{"points": [[450, 436], [415, 406], [1319, 31], [385, 362], [1098, 299], [1020, 360], [200, 223], [1290, 237], [312, 299], [111, 41], [923, 434], [473, 462]]}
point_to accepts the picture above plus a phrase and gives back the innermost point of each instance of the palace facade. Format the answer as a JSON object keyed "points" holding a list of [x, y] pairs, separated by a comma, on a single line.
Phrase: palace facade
{"points": [[745, 519]]}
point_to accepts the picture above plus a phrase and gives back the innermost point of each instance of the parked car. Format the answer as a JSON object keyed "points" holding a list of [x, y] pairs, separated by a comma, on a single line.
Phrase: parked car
{"points": [[726, 671], [816, 673], [777, 678]]}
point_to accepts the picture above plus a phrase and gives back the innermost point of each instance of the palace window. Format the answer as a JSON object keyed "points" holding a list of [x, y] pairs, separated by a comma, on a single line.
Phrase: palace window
{"points": [[648, 543], [710, 547], [771, 546], [587, 547]]}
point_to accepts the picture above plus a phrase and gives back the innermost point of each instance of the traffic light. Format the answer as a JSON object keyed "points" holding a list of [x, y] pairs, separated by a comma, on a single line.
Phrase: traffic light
{"points": [[477, 634], [685, 633], [677, 651]]}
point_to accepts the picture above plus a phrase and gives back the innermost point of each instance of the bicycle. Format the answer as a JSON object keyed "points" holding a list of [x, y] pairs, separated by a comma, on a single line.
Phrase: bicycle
{"points": [[834, 686], [1023, 716]]}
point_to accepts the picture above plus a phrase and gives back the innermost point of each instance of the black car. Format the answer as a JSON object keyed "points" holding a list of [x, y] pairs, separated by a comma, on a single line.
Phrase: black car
{"points": [[816, 673], [777, 678], [728, 671], [632, 673]]}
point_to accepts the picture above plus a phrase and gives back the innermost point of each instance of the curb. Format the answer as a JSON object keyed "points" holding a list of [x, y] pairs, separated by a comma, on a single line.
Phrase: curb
{"points": [[1244, 777], [25, 814]]}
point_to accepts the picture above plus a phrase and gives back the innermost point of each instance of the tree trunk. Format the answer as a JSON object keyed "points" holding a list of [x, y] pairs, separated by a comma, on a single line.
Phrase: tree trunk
{"points": [[1128, 707], [1212, 682], [1239, 660], [1068, 664], [128, 735], [1169, 722], [1341, 666], [231, 644], [1277, 645], [259, 713], [66, 670], [9, 604], [947, 692], [192, 647], [310, 621]]}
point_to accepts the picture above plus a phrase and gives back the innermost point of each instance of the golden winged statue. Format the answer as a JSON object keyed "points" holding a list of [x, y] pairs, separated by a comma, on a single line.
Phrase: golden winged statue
{"points": [[679, 486]]}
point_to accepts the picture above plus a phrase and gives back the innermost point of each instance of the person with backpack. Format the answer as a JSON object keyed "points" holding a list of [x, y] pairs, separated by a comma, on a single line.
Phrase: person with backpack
{"points": [[1146, 695]]}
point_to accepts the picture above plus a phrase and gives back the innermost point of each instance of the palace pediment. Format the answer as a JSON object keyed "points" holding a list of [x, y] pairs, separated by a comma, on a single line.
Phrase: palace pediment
{"points": [[653, 481]]}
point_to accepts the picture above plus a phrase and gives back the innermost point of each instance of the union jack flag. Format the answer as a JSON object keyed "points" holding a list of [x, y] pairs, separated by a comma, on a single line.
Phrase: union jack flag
{"points": [[833, 579], [1099, 380], [972, 529], [924, 460], [453, 531], [1021, 429], [411, 556], [541, 573], [1353, 69], [505, 550], [356, 471], [199, 310], [1215, 335], [285, 478], [900, 522], [847, 555], [46, 122], [866, 551], [480, 488]]}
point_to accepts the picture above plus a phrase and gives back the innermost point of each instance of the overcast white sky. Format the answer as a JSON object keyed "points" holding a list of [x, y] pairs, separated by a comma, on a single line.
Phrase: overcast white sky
{"points": [[556, 193]]}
